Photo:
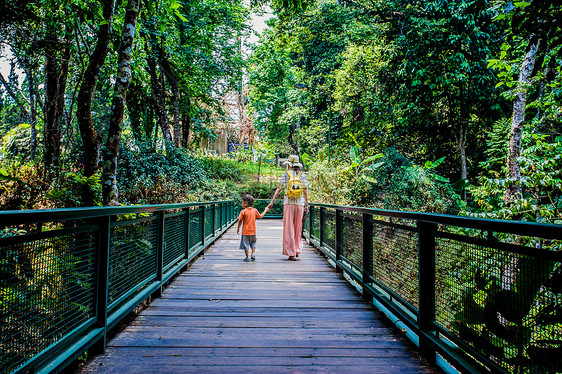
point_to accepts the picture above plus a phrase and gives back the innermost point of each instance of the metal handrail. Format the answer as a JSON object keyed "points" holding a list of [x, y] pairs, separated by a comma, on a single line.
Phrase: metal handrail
{"points": [[477, 293], [69, 275]]}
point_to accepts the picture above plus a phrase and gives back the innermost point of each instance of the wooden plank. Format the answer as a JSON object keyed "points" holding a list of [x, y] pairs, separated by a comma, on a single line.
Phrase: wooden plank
{"points": [[268, 316]]}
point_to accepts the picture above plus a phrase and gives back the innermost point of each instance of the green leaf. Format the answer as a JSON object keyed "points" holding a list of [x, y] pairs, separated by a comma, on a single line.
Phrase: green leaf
{"points": [[354, 155], [373, 158], [460, 184], [438, 162], [440, 178], [374, 167], [369, 179]]}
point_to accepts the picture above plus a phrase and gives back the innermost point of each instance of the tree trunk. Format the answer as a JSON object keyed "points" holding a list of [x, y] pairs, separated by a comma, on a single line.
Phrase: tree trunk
{"points": [[123, 78], [32, 109], [88, 133], [55, 87], [186, 126], [158, 99], [513, 190], [167, 70]]}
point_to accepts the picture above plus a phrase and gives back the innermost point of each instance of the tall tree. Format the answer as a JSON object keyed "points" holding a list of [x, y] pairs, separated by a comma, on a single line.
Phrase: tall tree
{"points": [[57, 59], [110, 190], [90, 137]]}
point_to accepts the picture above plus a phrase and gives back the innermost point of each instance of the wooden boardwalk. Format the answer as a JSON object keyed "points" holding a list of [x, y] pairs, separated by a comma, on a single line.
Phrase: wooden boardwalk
{"points": [[270, 316]]}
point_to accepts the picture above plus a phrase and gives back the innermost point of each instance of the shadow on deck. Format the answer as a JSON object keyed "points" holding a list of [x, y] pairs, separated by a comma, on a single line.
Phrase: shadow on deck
{"points": [[270, 316]]}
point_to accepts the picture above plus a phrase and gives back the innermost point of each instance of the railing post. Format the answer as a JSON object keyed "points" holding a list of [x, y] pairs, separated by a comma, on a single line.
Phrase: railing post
{"points": [[102, 282], [426, 263], [338, 249], [160, 251], [321, 234], [214, 221], [187, 217], [203, 218], [367, 247]]}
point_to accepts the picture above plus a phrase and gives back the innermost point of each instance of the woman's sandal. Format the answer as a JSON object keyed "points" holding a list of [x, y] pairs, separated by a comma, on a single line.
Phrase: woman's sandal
{"points": [[292, 258]]}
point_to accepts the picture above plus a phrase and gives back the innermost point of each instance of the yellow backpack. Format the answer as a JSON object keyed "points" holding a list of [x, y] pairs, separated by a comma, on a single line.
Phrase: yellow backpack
{"points": [[294, 187]]}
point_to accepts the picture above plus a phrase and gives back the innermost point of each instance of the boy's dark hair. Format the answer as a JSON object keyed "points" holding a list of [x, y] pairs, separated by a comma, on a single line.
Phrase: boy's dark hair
{"points": [[248, 199]]}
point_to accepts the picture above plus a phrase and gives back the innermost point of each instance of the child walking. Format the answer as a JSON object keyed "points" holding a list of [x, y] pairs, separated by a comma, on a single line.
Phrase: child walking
{"points": [[247, 219]]}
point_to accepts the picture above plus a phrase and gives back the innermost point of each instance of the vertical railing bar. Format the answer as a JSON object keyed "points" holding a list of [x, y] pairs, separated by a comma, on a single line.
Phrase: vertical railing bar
{"points": [[426, 263], [214, 221], [203, 219], [160, 251], [367, 247], [102, 282], [338, 245], [187, 224], [321, 234]]}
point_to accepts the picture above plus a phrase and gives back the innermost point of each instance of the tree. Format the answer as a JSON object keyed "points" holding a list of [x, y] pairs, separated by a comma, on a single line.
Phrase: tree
{"points": [[90, 136], [123, 78]]}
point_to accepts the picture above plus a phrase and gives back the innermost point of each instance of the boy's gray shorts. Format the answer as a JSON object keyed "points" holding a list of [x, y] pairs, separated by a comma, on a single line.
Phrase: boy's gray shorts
{"points": [[247, 242]]}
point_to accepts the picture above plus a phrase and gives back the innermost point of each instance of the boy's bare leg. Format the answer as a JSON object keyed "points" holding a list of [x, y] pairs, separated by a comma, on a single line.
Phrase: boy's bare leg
{"points": [[247, 253], [254, 253]]}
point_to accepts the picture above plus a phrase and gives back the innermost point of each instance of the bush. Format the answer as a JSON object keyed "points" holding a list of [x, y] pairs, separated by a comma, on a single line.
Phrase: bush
{"points": [[400, 185], [149, 177], [16, 144], [216, 167]]}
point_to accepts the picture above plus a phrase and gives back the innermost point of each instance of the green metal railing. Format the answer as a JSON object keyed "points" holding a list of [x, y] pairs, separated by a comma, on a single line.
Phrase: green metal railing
{"points": [[480, 295], [69, 275]]}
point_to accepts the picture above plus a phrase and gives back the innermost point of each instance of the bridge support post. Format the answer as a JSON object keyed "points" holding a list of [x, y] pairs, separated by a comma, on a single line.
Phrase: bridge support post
{"points": [[367, 247], [102, 282], [187, 217], [339, 232], [160, 252], [214, 222], [203, 218], [321, 238], [426, 263]]}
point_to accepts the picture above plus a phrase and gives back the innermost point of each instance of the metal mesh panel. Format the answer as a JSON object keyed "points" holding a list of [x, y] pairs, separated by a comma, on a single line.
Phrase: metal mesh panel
{"points": [[330, 229], [46, 290], [395, 261], [195, 233], [315, 223], [208, 222], [505, 305], [174, 239], [132, 256], [352, 239], [217, 217]]}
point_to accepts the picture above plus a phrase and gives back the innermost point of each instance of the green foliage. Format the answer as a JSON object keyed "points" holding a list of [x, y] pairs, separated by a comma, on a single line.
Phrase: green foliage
{"points": [[16, 144], [69, 191], [217, 167], [398, 184], [541, 181], [146, 176]]}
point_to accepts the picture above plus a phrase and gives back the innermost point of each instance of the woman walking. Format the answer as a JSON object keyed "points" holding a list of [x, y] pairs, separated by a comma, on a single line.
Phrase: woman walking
{"points": [[295, 205]]}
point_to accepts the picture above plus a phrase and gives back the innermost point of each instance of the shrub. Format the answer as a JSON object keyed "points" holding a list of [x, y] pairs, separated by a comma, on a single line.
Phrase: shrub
{"points": [[17, 143], [146, 176], [216, 167]]}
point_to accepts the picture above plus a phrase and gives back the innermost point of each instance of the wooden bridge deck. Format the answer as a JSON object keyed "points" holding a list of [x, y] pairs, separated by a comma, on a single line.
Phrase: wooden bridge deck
{"points": [[270, 316]]}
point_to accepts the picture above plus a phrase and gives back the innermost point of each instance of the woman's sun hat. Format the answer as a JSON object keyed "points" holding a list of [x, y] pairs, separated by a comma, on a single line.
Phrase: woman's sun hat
{"points": [[293, 161]]}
